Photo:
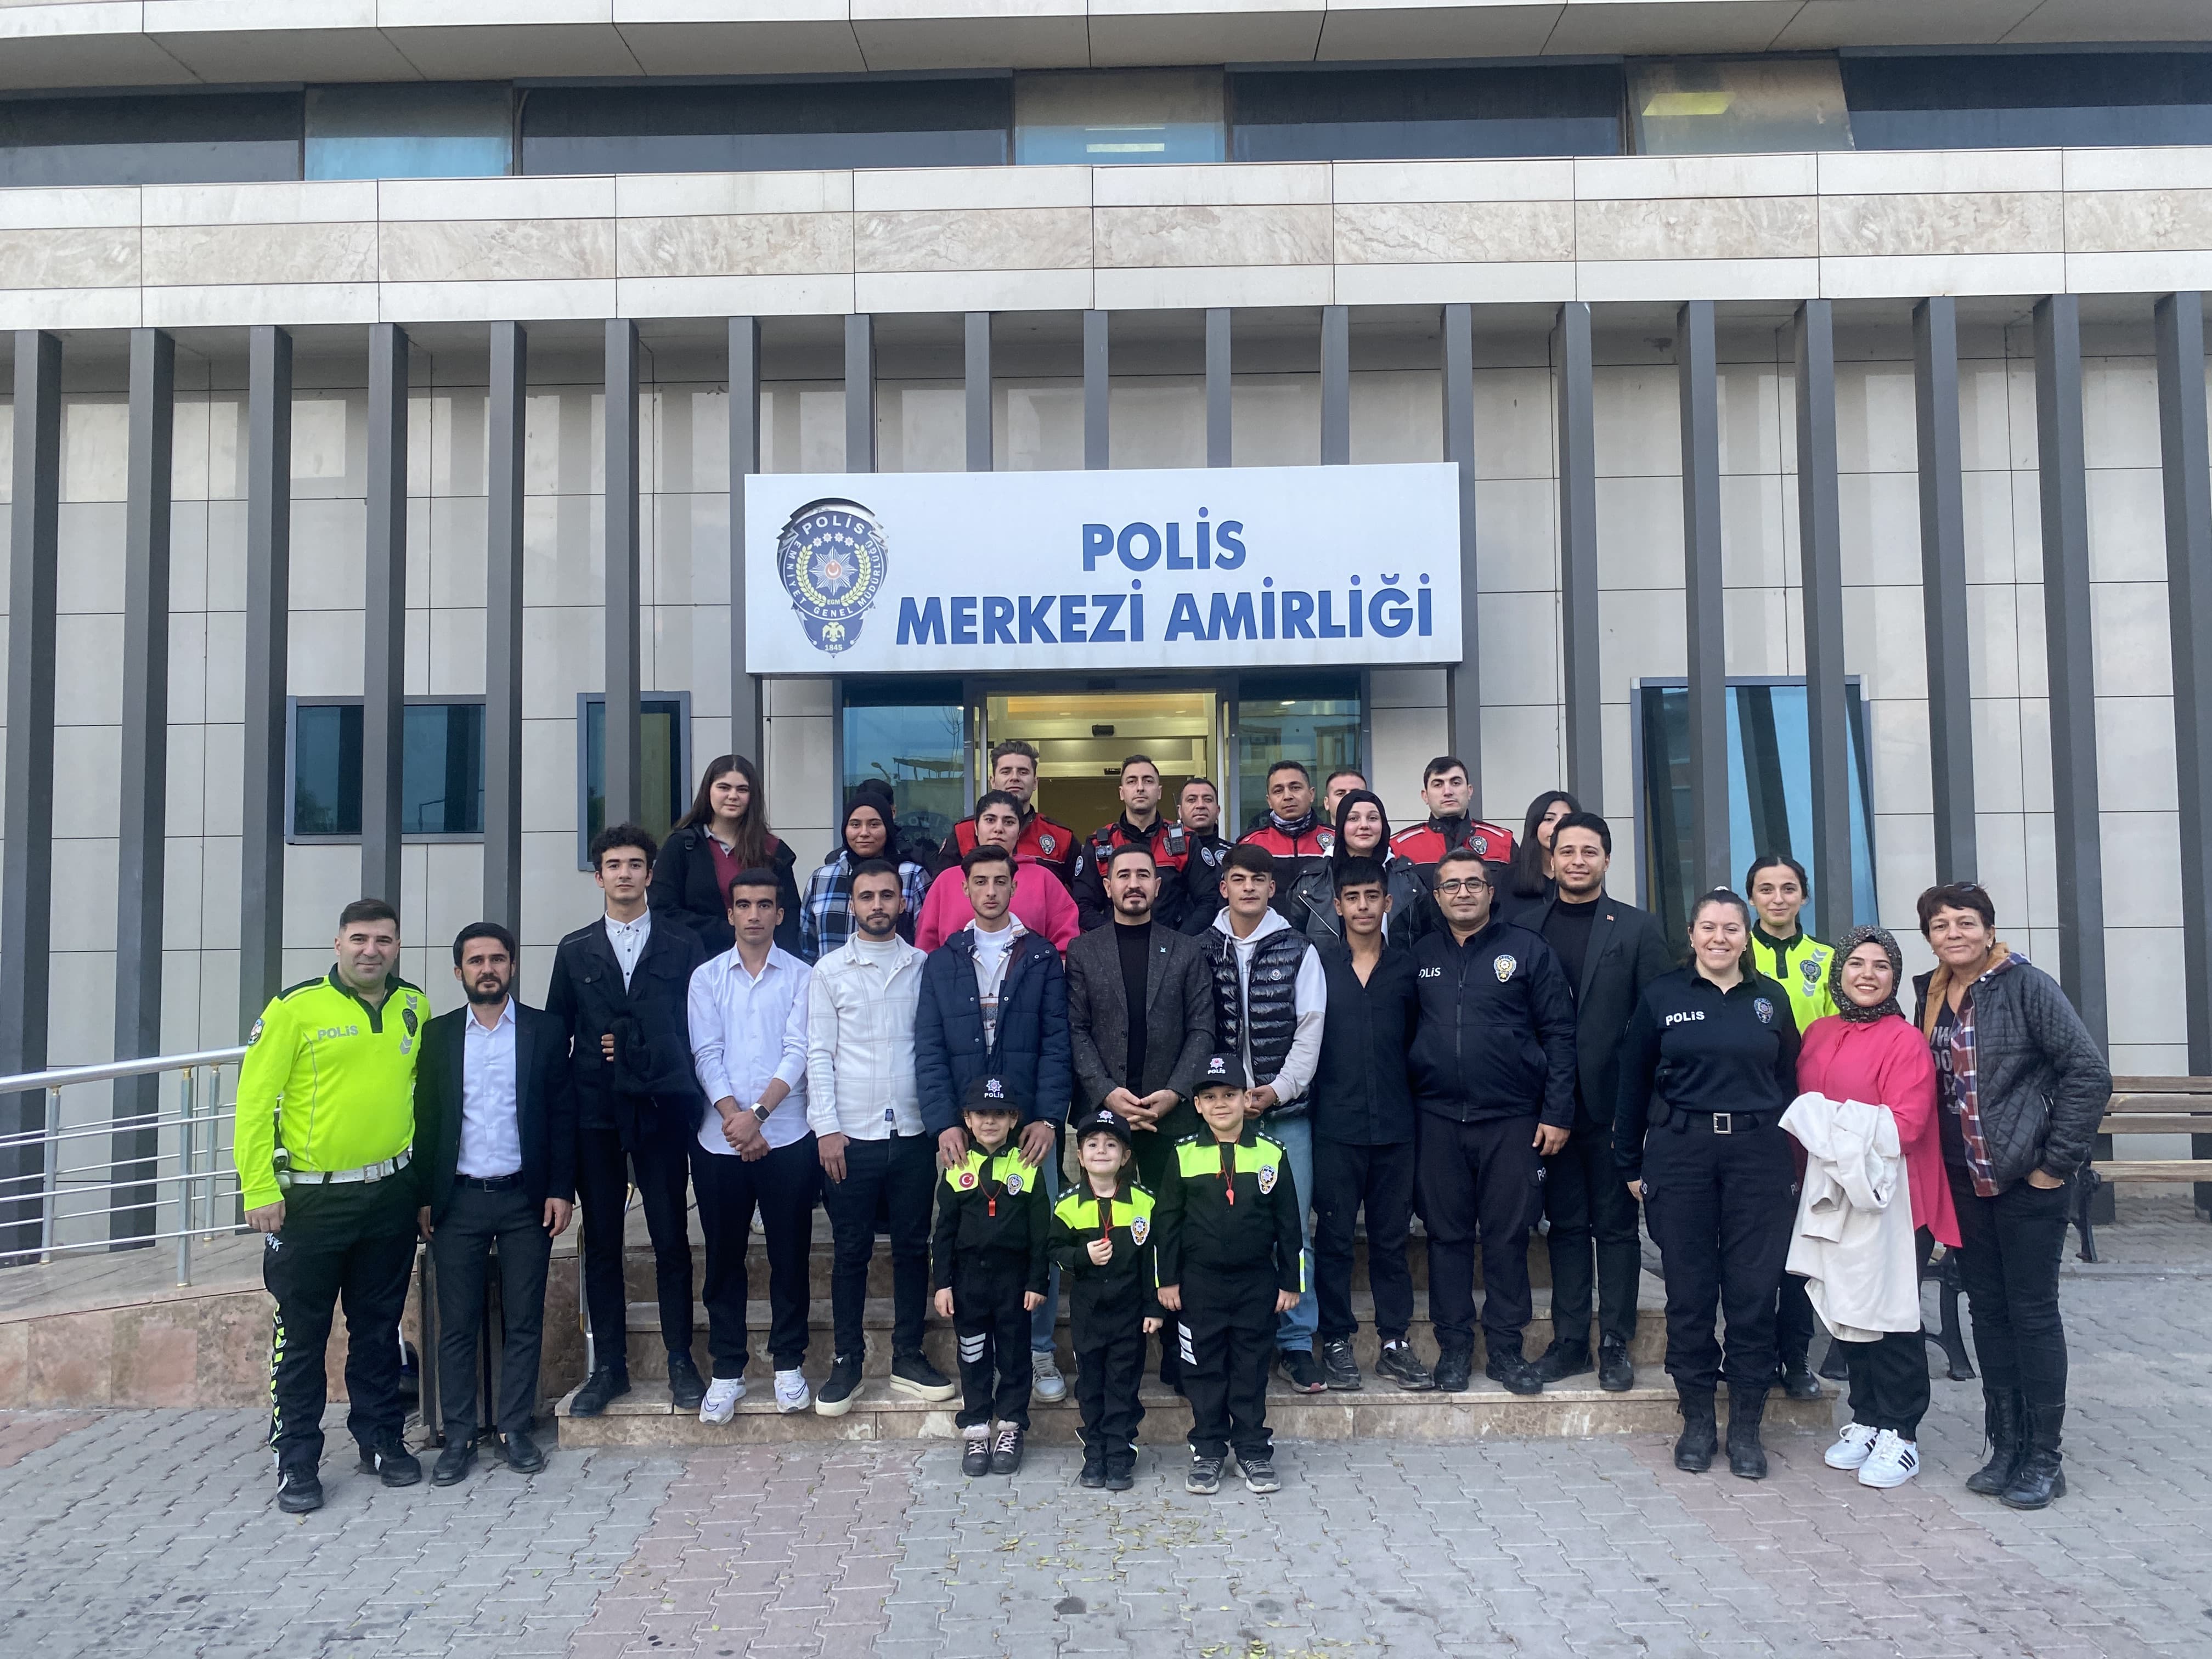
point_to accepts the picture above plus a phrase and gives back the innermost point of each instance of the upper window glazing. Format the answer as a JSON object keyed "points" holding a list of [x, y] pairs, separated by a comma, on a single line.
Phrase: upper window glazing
{"points": [[446, 131], [159, 139], [1737, 106], [1119, 117], [2030, 99], [1346, 115]]}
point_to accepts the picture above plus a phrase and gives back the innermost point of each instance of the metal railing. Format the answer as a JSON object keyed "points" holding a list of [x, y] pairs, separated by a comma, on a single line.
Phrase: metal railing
{"points": [[188, 1162]]}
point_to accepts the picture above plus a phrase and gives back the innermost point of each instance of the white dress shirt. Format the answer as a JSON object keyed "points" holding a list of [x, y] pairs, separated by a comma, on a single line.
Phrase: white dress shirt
{"points": [[629, 939], [747, 1032], [491, 1121], [859, 1041]]}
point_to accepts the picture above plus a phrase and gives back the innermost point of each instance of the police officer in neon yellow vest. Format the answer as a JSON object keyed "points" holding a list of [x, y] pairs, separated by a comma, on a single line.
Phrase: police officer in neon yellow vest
{"points": [[1798, 962]]}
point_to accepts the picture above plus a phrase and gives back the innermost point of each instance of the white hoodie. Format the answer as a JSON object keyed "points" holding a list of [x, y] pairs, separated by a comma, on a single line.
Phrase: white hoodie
{"points": [[1312, 1005], [1853, 1237]]}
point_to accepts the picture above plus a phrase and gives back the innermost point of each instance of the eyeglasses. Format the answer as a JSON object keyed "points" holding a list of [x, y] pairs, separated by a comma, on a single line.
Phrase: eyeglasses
{"points": [[1468, 886]]}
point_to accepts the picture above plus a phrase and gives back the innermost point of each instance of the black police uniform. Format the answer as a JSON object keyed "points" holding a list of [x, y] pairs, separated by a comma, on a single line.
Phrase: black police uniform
{"points": [[1201, 881], [1170, 845], [1108, 1306], [989, 1250], [1711, 1072], [1229, 1238]]}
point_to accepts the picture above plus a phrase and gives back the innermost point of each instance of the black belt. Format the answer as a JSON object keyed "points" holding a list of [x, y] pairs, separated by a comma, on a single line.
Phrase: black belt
{"points": [[506, 1183], [1721, 1123]]}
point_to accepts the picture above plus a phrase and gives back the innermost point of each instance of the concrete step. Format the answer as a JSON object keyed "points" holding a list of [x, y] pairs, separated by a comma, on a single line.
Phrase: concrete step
{"points": [[645, 1419]]}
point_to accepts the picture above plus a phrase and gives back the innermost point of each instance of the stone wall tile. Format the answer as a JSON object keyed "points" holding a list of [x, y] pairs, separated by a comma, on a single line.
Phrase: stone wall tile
{"points": [[1989, 221], [1697, 228], [495, 250], [748, 244], [227, 255], [1207, 235], [2138, 221], [1006, 238], [86, 257], [1448, 232]]}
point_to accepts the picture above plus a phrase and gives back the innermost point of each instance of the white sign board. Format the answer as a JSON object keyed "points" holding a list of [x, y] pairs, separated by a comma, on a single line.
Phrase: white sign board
{"points": [[1281, 567]]}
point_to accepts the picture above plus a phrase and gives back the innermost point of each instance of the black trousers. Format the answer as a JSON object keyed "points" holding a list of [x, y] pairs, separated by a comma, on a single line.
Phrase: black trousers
{"points": [[2009, 1258], [1480, 1179], [462, 1247], [1793, 1322], [993, 1328], [1720, 1209], [782, 1186], [1889, 1382], [604, 1174], [1109, 1367], [1346, 1179], [1592, 1218], [355, 1242], [1227, 1335], [890, 1181]]}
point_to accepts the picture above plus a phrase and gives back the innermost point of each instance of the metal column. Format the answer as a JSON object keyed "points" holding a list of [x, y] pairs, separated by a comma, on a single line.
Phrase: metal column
{"points": [[502, 729], [1464, 694], [1336, 386], [980, 455], [1579, 632], [1697, 369], [1821, 552], [384, 654], [1219, 391], [2063, 482], [26, 826], [1098, 452], [625, 767], [268, 635], [859, 393], [1943, 586], [744, 462], [144, 790]]}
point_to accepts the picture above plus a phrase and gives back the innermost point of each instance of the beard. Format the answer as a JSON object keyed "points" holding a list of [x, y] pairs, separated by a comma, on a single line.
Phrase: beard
{"points": [[484, 999]]}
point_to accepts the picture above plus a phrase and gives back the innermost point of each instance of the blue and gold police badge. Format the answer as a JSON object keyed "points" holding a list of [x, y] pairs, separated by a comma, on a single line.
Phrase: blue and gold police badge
{"points": [[831, 556]]}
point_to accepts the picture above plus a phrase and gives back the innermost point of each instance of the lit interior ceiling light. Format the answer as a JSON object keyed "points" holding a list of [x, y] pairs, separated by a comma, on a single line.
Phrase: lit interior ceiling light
{"points": [[1666, 103]]}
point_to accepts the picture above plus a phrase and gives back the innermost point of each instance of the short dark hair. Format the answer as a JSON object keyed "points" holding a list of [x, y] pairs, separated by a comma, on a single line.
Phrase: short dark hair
{"points": [[623, 834], [1359, 872], [1466, 855], [1190, 783], [1252, 859], [755, 876], [1297, 766], [1957, 896], [1344, 772], [367, 909], [1590, 820], [1776, 861], [997, 798], [1128, 761], [1441, 764], [1007, 746], [490, 930], [876, 867], [1143, 848], [985, 852]]}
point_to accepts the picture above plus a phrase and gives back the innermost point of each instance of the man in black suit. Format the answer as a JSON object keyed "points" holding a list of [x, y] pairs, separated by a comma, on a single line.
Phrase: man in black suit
{"points": [[620, 990], [496, 1153], [1611, 951]]}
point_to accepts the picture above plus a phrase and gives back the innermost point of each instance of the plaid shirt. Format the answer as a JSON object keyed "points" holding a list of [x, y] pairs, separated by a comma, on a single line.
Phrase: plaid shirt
{"points": [[825, 915], [1960, 1099]]}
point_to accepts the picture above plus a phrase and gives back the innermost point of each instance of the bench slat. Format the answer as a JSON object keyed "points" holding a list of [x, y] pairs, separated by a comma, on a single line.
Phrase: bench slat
{"points": [[2178, 1168], [2157, 1123], [2162, 1085]]}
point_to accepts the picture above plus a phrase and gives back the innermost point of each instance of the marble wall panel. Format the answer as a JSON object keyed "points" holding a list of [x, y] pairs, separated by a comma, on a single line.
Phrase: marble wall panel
{"points": [[1710, 227], [1142, 237], [739, 244], [1994, 221], [496, 250], [1002, 239], [1396, 233], [210, 255], [72, 257]]}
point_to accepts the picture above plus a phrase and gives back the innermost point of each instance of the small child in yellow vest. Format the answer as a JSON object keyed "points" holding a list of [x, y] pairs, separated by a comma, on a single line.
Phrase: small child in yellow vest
{"points": [[1102, 1239]]}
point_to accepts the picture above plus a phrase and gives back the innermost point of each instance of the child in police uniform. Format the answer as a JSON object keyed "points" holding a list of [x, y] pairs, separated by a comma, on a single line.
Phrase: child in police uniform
{"points": [[1102, 1239], [1229, 1261], [988, 1264]]}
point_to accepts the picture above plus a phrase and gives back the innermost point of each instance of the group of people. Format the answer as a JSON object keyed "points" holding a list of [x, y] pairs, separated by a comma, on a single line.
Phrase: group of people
{"points": [[1176, 1073]]}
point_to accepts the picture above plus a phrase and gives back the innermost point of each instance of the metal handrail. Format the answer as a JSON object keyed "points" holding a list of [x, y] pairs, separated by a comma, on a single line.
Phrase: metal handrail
{"points": [[24, 1082]]}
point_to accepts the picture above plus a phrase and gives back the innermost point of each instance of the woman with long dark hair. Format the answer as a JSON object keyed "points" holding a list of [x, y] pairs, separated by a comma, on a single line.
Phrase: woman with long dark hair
{"points": [[726, 831], [1530, 886]]}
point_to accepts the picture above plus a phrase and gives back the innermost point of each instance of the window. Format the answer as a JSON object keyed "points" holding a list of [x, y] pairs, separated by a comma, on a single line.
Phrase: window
{"points": [[1723, 107], [442, 763], [1119, 117], [665, 734], [173, 138], [1379, 114], [450, 131], [1314, 718], [2030, 99], [1770, 790], [737, 128], [907, 733]]}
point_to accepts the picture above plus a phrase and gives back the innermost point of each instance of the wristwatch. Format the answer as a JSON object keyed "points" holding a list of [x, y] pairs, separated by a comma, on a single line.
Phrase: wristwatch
{"points": [[760, 1112]]}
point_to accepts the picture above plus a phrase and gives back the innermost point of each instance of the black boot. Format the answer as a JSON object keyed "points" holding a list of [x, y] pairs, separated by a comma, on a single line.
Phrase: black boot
{"points": [[1747, 1457], [1701, 1437], [2039, 1479], [2000, 1424], [608, 1384]]}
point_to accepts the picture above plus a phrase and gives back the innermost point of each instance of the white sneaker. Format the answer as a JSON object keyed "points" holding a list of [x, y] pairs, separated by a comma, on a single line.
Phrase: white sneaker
{"points": [[1851, 1447], [1045, 1381], [1894, 1460], [792, 1394], [720, 1404]]}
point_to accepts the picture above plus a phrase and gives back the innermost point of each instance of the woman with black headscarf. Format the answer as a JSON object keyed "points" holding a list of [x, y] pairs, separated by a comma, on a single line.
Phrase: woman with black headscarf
{"points": [[825, 920], [1362, 832]]}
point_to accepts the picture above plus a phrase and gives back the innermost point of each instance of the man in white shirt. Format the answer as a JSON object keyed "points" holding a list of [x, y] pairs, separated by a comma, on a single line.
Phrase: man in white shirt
{"points": [[866, 1110], [748, 1012]]}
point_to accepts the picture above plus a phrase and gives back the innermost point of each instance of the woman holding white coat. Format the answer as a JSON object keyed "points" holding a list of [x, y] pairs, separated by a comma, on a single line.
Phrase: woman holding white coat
{"points": [[1869, 1052]]}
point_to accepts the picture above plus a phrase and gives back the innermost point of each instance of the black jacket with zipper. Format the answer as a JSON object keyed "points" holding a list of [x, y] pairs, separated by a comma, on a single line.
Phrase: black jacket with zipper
{"points": [[1496, 1032], [1362, 1094]]}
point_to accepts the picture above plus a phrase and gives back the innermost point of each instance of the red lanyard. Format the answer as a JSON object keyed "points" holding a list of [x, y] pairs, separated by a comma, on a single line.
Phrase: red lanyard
{"points": [[1228, 1169]]}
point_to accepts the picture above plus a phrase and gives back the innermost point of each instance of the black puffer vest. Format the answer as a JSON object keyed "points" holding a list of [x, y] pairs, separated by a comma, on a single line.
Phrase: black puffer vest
{"points": [[1273, 1006]]}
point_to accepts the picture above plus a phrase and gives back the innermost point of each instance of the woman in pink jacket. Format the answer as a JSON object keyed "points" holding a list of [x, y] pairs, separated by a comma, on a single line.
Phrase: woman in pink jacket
{"points": [[1041, 904], [1870, 1052]]}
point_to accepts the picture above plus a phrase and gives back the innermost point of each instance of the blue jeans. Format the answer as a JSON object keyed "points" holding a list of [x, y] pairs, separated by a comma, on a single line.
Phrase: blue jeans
{"points": [[1294, 1330], [1042, 1322]]}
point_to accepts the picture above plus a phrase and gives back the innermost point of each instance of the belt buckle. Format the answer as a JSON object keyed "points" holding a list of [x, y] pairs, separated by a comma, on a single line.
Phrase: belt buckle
{"points": [[1723, 1123]]}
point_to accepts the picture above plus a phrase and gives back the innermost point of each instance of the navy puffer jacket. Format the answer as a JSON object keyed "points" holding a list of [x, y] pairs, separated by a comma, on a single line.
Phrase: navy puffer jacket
{"points": [[1032, 1052]]}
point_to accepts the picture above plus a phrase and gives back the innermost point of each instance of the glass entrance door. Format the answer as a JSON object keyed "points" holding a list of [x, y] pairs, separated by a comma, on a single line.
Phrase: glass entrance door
{"points": [[1083, 736]]}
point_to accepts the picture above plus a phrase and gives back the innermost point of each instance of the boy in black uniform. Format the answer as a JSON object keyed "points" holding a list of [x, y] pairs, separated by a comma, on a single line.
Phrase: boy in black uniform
{"points": [[1102, 1241], [1229, 1260], [988, 1261]]}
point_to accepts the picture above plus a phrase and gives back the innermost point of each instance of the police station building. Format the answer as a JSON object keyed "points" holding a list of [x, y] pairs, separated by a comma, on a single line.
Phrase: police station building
{"points": [[438, 430]]}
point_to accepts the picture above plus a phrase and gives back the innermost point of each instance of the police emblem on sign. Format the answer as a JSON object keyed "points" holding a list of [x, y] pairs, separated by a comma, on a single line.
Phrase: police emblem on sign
{"points": [[1140, 1228], [1765, 1010], [1504, 967], [1267, 1179], [831, 557]]}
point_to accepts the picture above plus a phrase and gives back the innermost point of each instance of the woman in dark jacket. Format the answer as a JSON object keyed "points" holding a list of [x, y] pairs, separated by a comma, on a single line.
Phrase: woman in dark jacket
{"points": [[2021, 1089], [1530, 887], [1362, 832], [725, 831]]}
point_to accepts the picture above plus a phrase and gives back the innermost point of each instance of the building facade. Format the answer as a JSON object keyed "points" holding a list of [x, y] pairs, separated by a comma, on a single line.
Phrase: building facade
{"points": [[1826, 387]]}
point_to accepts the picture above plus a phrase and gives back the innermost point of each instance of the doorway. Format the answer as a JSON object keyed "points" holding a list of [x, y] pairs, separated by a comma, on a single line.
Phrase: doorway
{"points": [[1083, 736]]}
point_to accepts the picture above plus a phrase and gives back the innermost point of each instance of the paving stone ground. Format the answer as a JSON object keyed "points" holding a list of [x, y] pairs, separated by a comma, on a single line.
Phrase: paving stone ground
{"points": [[127, 1534]]}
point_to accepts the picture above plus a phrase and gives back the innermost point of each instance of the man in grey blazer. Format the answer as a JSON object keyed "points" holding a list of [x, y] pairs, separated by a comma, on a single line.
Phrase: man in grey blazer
{"points": [[1139, 1014]]}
